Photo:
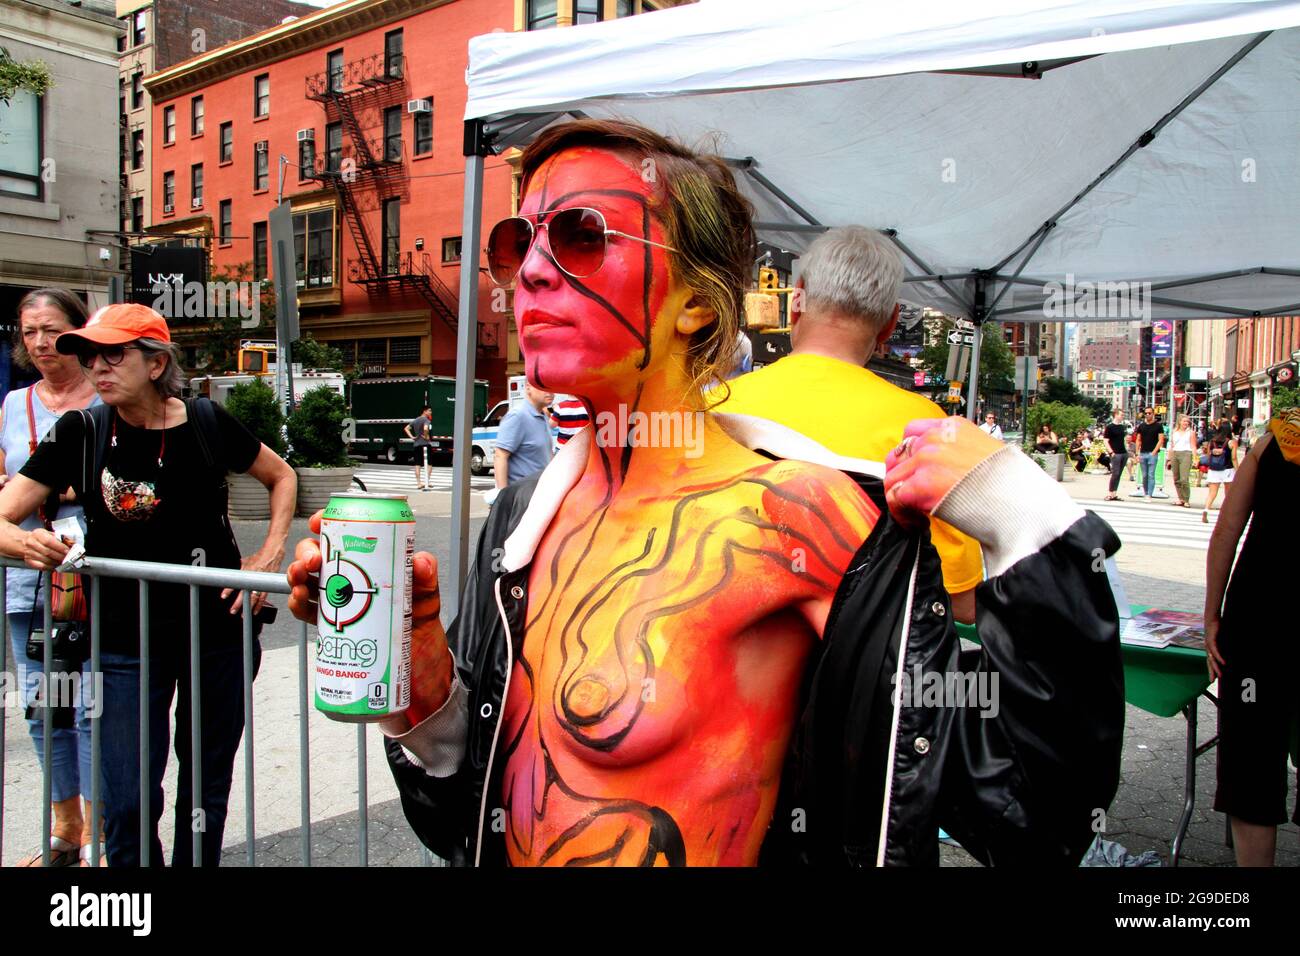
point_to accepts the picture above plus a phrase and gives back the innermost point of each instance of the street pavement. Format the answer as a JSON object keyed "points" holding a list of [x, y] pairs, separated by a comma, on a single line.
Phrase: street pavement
{"points": [[1161, 562]]}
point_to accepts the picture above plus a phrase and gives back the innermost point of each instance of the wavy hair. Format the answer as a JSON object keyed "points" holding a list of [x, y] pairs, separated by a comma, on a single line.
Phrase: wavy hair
{"points": [[73, 309], [704, 216]]}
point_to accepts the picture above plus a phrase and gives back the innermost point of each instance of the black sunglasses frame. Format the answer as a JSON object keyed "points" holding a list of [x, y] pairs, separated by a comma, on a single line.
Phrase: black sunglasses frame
{"points": [[86, 356]]}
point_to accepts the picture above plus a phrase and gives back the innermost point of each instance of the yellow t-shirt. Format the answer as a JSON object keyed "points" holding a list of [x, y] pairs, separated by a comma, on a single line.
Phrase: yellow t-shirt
{"points": [[854, 413]]}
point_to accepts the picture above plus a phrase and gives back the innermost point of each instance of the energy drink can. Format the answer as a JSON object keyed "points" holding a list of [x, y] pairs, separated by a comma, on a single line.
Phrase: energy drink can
{"points": [[363, 658]]}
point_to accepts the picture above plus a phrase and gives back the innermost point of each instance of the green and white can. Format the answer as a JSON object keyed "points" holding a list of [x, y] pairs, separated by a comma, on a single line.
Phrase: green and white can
{"points": [[363, 657]]}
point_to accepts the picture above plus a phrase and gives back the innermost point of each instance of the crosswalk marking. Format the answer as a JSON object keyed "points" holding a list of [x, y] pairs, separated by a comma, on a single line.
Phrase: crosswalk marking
{"points": [[402, 480], [1156, 522]]}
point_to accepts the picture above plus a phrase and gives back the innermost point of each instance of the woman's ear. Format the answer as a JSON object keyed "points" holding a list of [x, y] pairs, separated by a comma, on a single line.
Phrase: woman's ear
{"points": [[694, 316]]}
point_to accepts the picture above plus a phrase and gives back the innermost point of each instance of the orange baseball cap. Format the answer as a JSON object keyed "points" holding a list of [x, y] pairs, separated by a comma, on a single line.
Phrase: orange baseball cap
{"points": [[116, 325]]}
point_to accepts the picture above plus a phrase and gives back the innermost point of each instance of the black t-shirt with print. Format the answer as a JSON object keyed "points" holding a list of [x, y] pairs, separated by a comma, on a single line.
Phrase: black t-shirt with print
{"points": [[142, 512]]}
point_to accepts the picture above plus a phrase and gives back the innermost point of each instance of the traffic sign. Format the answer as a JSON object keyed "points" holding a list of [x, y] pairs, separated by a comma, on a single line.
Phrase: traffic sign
{"points": [[957, 337], [1126, 384], [954, 391]]}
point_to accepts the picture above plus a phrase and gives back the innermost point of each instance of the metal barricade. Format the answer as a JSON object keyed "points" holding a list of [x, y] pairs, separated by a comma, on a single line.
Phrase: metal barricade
{"points": [[148, 573]]}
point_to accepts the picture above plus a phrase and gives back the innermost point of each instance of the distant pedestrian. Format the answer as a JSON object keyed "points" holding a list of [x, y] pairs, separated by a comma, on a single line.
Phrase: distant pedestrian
{"points": [[1046, 443], [568, 417], [420, 431], [1117, 441], [523, 445], [1221, 457], [1079, 451], [990, 426], [1249, 647], [1182, 443], [1149, 437]]}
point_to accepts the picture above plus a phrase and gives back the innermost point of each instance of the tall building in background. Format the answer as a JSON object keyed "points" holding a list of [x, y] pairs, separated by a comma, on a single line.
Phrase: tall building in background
{"points": [[58, 161], [158, 34]]}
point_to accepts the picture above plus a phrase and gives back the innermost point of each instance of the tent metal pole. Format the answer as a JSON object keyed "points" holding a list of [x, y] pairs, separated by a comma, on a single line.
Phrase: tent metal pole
{"points": [[1006, 283], [780, 194], [1143, 140], [978, 313], [921, 264], [765, 226], [466, 344]]}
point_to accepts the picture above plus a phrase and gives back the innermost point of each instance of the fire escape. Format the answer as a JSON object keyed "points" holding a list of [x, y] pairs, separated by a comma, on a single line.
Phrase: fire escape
{"points": [[364, 173]]}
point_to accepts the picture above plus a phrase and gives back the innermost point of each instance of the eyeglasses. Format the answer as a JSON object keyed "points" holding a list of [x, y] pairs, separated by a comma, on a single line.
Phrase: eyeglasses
{"points": [[112, 354], [577, 237]]}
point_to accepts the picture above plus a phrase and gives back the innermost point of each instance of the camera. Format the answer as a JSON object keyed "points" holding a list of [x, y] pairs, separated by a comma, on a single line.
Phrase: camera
{"points": [[69, 649]]}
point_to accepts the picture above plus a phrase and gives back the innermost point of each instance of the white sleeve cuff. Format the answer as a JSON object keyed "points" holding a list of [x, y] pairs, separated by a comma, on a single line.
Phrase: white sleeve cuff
{"points": [[1010, 506], [437, 743]]}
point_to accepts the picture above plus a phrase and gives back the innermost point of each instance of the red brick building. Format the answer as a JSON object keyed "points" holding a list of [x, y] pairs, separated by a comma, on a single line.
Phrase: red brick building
{"points": [[1116, 353], [364, 101]]}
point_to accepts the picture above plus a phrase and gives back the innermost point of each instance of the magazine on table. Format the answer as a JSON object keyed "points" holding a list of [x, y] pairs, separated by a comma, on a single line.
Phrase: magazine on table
{"points": [[1155, 628]]}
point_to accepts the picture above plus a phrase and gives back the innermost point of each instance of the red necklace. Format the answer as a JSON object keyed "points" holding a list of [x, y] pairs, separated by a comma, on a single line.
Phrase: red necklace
{"points": [[162, 446]]}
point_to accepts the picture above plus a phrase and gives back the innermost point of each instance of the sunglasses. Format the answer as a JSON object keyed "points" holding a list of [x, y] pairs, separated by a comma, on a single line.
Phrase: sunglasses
{"points": [[112, 354], [578, 238]]}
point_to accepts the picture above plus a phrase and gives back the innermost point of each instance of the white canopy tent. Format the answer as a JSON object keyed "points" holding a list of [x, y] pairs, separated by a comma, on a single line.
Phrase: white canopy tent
{"points": [[1031, 159]]}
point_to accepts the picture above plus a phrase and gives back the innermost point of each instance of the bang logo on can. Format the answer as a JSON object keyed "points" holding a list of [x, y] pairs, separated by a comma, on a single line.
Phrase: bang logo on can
{"points": [[363, 656]]}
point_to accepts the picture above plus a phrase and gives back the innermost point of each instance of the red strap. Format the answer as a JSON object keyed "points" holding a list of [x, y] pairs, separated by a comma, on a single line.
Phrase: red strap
{"points": [[31, 445]]}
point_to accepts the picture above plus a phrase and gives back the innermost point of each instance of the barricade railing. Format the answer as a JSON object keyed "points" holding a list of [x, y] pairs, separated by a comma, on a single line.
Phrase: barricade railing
{"points": [[148, 573]]}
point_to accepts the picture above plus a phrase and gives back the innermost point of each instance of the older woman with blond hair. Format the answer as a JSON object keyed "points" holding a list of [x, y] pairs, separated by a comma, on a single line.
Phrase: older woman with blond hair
{"points": [[150, 470], [27, 416]]}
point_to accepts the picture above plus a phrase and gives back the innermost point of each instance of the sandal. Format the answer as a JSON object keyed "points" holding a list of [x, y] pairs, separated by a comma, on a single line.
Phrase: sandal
{"points": [[62, 853], [85, 856], [1111, 498]]}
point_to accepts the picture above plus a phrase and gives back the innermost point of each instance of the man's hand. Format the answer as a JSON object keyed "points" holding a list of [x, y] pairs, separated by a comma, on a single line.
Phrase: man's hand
{"points": [[43, 550], [934, 455], [431, 660]]}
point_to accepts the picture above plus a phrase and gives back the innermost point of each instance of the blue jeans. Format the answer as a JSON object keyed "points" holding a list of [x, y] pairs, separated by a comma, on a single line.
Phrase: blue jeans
{"points": [[221, 692], [1148, 460], [69, 764]]}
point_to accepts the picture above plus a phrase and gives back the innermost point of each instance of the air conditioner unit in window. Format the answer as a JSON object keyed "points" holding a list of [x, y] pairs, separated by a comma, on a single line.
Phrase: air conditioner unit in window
{"points": [[261, 147], [196, 203], [306, 135], [419, 106], [168, 207]]}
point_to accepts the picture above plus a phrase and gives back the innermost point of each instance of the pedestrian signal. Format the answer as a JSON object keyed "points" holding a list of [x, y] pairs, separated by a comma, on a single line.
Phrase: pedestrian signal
{"points": [[767, 280]]}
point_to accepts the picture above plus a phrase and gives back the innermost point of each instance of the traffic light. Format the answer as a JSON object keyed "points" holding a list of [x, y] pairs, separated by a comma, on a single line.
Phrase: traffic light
{"points": [[767, 280]]}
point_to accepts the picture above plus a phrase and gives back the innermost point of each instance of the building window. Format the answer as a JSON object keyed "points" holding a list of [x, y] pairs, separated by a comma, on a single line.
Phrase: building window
{"points": [[261, 166], [259, 251], [333, 147], [262, 95], [586, 11], [137, 149], [196, 185], [196, 116], [334, 69], [169, 125], [451, 249], [169, 191], [424, 131], [541, 14], [306, 159], [392, 220], [623, 8], [140, 28], [137, 214], [349, 349], [121, 40], [393, 54], [393, 134], [224, 218], [313, 248], [372, 352], [137, 90], [227, 152], [20, 146], [405, 351]]}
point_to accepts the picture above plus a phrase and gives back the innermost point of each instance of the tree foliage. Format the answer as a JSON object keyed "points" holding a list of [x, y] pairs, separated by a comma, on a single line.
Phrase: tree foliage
{"points": [[1065, 420], [253, 403], [33, 77], [316, 430], [319, 355], [997, 365], [1285, 398]]}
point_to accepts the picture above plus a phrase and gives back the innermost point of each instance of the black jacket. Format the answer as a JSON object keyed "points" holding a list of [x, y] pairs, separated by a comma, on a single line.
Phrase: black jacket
{"points": [[1019, 775]]}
